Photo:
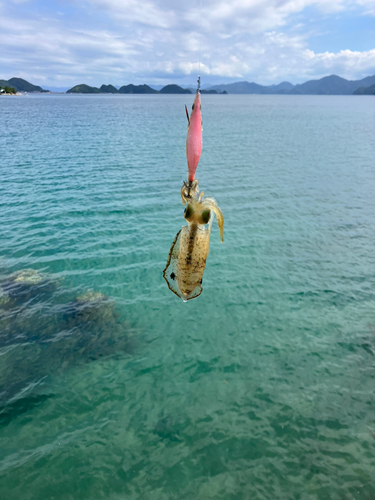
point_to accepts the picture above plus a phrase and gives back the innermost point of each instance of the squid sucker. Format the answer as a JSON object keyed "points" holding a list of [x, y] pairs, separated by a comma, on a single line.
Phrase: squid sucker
{"points": [[190, 248]]}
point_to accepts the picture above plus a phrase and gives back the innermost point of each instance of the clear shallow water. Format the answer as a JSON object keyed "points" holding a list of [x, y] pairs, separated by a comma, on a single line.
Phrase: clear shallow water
{"points": [[263, 387]]}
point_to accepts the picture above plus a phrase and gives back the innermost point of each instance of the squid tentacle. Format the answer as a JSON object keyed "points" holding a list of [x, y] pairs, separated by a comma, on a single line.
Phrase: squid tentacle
{"points": [[211, 203]]}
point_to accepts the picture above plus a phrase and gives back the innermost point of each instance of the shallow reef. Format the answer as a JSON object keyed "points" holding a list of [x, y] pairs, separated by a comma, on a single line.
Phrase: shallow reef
{"points": [[167, 429], [22, 405], [25, 287], [90, 307], [95, 327], [4, 297], [41, 337]]}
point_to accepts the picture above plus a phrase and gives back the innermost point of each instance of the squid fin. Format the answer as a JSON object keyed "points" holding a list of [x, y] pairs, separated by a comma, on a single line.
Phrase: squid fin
{"points": [[170, 271]]}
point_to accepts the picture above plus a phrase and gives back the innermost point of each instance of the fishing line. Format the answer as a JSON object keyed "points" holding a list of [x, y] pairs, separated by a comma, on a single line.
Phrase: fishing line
{"points": [[200, 41], [200, 46]]}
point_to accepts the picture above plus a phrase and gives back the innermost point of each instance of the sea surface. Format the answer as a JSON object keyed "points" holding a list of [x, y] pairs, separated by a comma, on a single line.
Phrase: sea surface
{"points": [[113, 388]]}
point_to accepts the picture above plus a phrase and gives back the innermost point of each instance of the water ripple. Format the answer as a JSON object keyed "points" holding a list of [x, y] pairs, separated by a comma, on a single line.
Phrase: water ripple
{"points": [[110, 387]]}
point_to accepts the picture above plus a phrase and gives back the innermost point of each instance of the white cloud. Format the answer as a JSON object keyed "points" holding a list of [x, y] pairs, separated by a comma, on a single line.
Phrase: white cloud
{"points": [[144, 12], [123, 41], [369, 6], [346, 62], [193, 68]]}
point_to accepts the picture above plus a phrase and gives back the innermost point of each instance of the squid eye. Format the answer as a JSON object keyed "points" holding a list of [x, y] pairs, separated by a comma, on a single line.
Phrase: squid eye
{"points": [[193, 107], [200, 107], [206, 216], [188, 211]]}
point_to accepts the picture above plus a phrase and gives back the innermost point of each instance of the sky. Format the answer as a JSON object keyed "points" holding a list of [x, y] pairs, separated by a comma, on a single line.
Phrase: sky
{"points": [[62, 43]]}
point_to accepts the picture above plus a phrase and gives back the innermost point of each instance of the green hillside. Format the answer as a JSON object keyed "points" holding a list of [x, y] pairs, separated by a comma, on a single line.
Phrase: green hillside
{"points": [[7, 90], [137, 89], [24, 86], [108, 89], [365, 90], [83, 89], [174, 89]]}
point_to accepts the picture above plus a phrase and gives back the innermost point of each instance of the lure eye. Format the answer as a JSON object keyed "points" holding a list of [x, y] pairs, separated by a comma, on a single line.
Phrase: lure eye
{"points": [[193, 107]]}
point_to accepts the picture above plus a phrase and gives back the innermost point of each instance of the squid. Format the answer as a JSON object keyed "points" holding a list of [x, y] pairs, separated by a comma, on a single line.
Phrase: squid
{"points": [[190, 248]]}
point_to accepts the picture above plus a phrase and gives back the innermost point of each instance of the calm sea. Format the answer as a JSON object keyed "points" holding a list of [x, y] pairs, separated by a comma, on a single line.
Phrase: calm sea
{"points": [[110, 386]]}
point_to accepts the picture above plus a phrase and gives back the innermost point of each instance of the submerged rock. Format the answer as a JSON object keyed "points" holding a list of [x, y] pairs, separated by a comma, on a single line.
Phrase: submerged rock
{"points": [[166, 428], [24, 300], [41, 339], [4, 297], [91, 307], [20, 406], [95, 327], [91, 296], [24, 285], [29, 276]]}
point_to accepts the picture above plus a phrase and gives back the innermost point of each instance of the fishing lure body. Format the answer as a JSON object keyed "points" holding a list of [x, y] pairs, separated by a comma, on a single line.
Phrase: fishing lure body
{"points": [[194, 137]]}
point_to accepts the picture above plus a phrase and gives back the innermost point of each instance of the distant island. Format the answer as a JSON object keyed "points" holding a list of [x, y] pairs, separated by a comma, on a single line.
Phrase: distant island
{"points": [[8, 90], [110, 89], [212, 91], [21, 85], [134, 89], [365, 90], [329, 85], [126, 89]]}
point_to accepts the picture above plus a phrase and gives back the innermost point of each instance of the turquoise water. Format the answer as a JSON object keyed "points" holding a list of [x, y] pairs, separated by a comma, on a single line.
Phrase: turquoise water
{"points": [[261, 388]]}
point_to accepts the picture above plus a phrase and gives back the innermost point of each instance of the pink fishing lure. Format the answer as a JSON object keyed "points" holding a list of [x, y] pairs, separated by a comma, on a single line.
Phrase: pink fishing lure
{"points": [[194, 137]]}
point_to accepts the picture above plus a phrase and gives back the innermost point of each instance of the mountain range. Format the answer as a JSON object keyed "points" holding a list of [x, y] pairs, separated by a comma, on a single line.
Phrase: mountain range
{"points": [[126, 89], [329, 85], [134, 89]]}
